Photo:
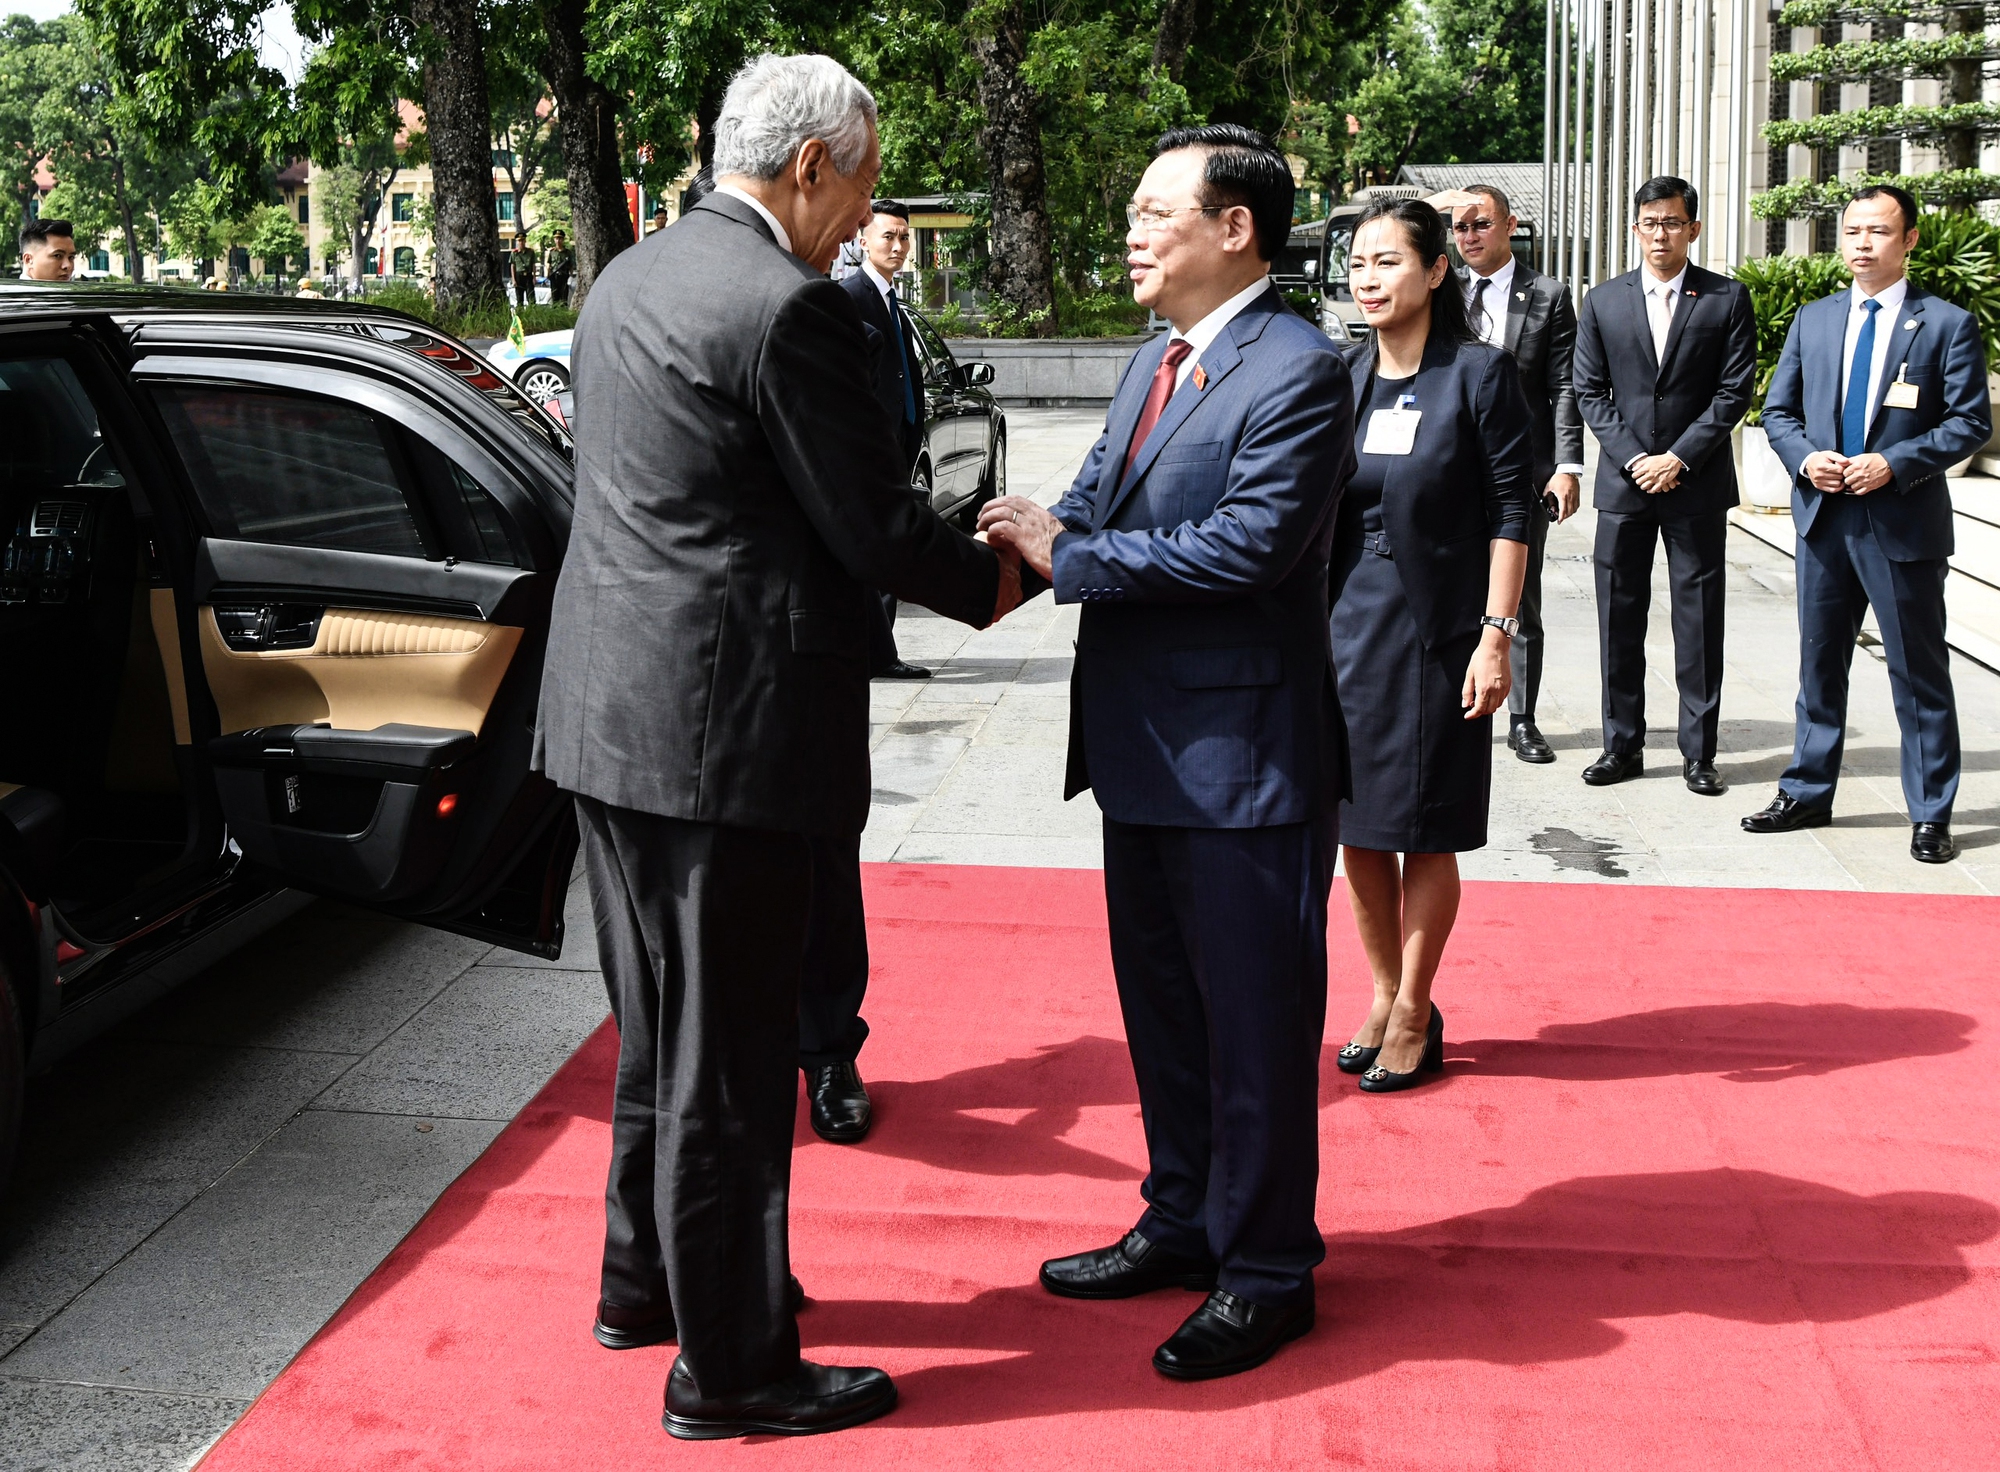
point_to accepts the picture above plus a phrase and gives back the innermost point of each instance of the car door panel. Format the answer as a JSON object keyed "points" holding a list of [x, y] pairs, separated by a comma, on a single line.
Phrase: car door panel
{"points": [[374, 683]]}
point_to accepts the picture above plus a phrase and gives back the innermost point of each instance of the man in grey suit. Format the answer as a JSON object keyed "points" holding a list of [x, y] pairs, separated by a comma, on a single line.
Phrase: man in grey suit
{"points": [[1516, 307], [705, 696]]}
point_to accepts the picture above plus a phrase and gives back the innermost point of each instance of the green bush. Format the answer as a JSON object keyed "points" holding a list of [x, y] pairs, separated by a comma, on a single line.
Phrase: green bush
{"points": [[1957, 257], [490, 318]]}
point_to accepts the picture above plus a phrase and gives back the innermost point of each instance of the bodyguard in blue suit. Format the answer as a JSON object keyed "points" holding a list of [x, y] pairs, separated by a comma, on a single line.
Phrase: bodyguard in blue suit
{"points": [[1878, 390], [1204, 718]]}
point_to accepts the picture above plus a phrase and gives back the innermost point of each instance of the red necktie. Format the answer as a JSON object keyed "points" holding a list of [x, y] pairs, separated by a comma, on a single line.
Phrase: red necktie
{"points": [[1156, 399]]}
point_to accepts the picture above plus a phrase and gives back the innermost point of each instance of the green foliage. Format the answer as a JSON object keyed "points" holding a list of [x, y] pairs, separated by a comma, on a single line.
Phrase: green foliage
{"points": [[1853, 61], [1830, 130], [198, 221], [272, 236], [1833, 12], [1957, 257], [90, 213], [548, 204], [1806, 200], [1448, 81], [1778, 287]]}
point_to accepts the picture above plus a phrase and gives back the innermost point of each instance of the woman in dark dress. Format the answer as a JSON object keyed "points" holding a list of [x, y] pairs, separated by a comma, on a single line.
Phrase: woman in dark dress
{"points": [[1429, 552]]}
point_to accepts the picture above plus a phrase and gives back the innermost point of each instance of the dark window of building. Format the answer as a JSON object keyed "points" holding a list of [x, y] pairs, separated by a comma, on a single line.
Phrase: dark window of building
{"points": [[305, 210], [402, 207], [1778, 161], [404, 262], [505, 201]]}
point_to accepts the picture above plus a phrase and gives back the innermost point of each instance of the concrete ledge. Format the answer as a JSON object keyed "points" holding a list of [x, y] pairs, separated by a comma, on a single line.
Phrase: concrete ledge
{"points": [[1051, 373]]}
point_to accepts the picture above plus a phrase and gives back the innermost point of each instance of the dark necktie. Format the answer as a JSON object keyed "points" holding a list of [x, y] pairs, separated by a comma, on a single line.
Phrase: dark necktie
{"points": [[903, 354], [1156, 399], [1854, 413], [1479, 319]]}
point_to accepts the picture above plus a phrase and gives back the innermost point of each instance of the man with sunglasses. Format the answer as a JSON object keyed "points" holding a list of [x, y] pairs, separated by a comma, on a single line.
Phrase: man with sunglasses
{"points": [[1666, 358], [1516, 307]]}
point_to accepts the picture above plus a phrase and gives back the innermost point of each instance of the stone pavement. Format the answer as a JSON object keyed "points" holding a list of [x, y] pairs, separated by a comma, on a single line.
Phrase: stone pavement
{"points": [[968, 766], [201, 1189]]}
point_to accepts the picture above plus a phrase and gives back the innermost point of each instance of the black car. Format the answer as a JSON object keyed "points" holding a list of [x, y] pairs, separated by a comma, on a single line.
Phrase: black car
{"points": [[275, 580]]}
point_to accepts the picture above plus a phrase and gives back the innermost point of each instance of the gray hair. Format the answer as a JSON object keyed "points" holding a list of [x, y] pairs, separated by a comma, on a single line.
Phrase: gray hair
{"points": [[777, 102]]}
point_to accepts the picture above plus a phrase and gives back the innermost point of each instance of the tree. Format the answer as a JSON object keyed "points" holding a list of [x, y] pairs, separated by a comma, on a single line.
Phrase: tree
{"points": [[1022, 273], [550, 206], [1449, 81], [22, 42], [273, 236], [199, 224], [592, 156]]}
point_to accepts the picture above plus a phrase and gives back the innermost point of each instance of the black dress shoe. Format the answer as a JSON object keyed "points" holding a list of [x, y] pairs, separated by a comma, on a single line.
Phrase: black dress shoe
{"points": [[1526, 742], [1132, 1267], [903, 670], [1356, 1059], [1703, 779], [1786, 814], [812, 1399], [1228, 1335], [1614, 767], [635, 1328], [1930, 843], [840, 1108], [1379, 1080]]}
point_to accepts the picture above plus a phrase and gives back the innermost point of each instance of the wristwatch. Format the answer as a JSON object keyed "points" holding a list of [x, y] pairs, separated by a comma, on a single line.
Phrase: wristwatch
{"points": [[1508, 626]]}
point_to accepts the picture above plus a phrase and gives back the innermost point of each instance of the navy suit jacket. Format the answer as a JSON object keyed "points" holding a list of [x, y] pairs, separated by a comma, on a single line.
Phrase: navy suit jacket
{"points": [[1936, 346], [890, 379], [1203, 694], [1468, 480], [1637, 404]]}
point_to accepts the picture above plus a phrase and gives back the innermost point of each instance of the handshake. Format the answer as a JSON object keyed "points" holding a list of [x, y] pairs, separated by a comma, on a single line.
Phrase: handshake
{"points": [[1020, 531], [1853, 475]]}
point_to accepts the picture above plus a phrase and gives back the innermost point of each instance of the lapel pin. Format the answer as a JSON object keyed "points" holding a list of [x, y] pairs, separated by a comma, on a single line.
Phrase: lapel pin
{"points": [[1200, 378], [1909, 327], [1520, 296]]}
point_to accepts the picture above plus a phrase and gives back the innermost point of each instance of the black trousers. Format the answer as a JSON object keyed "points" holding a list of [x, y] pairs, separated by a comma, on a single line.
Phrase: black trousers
{"points": [[559, 291], [1218, 940], [1524, 655], [1696, 570], [881, 632], [701, 931], [835, 980]]}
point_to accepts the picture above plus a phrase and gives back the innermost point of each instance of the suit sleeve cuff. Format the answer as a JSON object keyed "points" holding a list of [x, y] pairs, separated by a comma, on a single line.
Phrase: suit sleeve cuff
{"points": [[1634, 461], [1569, 468]]}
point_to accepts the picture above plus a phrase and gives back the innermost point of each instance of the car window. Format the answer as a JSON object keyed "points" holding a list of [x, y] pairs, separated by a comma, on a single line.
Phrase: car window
{"points": [[469, 523], [48, 431], [934, 346], [290, 468]]}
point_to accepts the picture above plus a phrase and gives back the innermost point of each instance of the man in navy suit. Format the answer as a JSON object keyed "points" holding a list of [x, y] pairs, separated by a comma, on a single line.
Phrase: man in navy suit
{"points": [[1878, 390], [1204, 718]]}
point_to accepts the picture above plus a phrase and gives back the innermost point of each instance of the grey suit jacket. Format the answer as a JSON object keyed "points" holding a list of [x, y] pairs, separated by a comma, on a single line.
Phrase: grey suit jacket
{"points": [[737, 493], [1541, 334]]}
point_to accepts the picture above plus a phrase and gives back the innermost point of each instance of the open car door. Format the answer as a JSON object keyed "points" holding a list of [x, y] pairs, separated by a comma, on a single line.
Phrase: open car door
{"points": [[375, 551]]}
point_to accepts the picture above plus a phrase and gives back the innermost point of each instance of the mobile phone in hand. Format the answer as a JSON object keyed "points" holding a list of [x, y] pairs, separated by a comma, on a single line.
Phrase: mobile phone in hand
{"points": [[1554, 505]]}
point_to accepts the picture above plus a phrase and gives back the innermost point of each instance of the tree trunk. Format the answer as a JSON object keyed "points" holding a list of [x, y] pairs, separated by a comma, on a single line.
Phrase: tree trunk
{"points": [[1962, 84], [459, 119], [134, 262], [1022, 273], [600, 224], [1176, 32]]}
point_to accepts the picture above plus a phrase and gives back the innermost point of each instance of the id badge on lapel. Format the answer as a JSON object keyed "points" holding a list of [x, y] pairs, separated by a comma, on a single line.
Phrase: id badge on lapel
{"points": [[1902, 393], [1393, 431]]}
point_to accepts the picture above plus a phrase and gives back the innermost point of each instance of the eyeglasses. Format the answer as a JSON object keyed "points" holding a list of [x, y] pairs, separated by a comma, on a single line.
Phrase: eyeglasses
{"points": [[1152, 218], [1661, 227], [1472, 227]]}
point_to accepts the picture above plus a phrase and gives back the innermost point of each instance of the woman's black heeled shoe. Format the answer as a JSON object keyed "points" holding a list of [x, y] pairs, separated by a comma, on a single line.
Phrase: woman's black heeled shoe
{"points": [[1381, 1081], [1356, 1059]]}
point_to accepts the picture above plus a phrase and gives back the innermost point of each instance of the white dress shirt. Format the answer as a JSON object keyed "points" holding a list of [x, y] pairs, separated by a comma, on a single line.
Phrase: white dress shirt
{"points": [[784, 236], [1491, 322], [1663, 299], [1209, 328], [1891, 298]]}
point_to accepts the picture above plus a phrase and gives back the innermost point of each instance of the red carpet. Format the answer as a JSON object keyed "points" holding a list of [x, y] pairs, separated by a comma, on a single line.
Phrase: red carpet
{"points": [[1710, 1183]]}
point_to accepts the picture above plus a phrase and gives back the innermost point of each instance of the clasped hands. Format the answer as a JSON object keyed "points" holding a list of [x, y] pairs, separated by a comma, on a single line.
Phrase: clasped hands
{"points": [[1020, 531], [1656, 474], [1854, 475]]}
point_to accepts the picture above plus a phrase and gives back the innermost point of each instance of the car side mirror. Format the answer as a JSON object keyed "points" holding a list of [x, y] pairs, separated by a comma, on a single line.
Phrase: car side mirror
{"points": [[978, 373]]}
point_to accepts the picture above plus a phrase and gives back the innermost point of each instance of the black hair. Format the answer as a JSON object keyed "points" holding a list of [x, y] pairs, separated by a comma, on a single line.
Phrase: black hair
{"points": [[699, 188], [1666, 186], [1243, 168], [1494, 193], [1905, 201], [890, 207], [1424, 227], [37, 231]]}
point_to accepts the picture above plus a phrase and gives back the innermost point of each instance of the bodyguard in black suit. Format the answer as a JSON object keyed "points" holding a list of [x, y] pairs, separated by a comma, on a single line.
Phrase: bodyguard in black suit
{"points": [[1666, 359], [706, 697], [1516, 307], [1205, 721]]}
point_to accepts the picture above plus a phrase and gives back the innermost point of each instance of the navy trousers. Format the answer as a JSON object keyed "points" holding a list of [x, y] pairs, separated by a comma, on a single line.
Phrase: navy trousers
{"points": [[1842, 571], [1218, 940]]}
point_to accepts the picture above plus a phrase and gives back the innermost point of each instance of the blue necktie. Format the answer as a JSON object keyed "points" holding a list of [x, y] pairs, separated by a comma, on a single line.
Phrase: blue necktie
{"points": [[903, 354], [1854, 413]]}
